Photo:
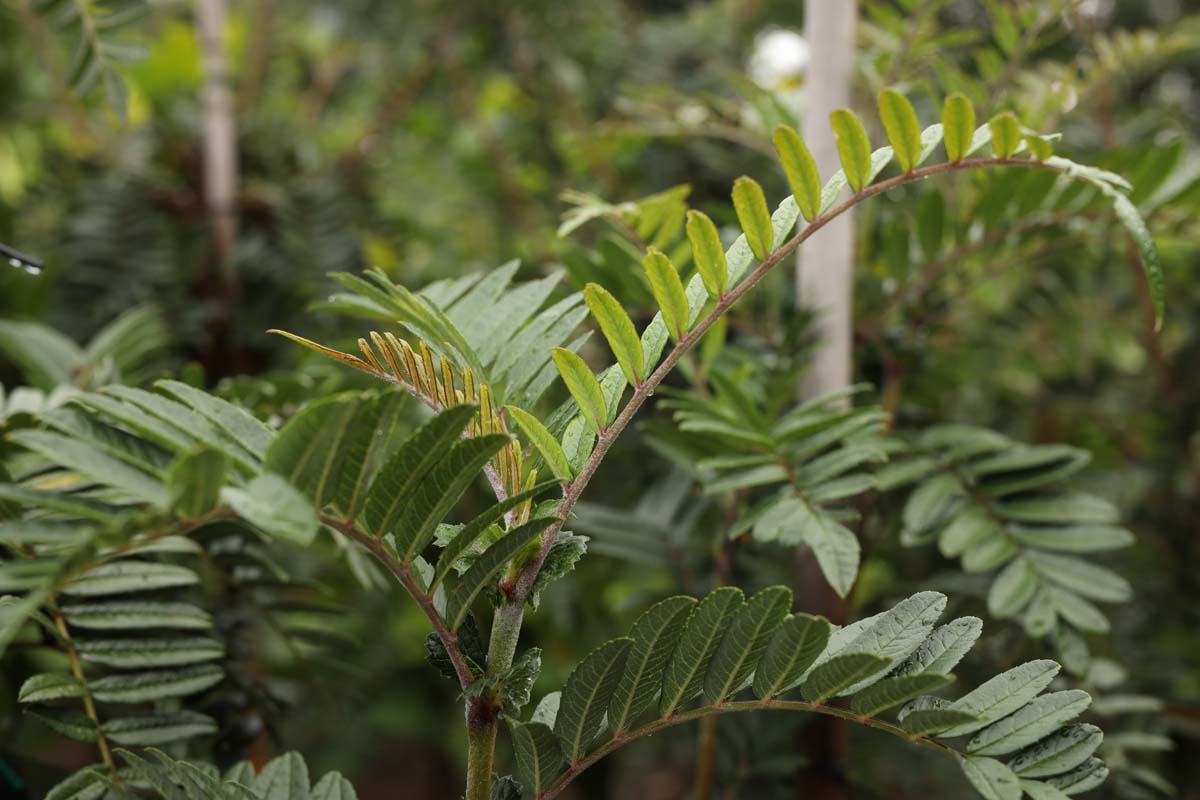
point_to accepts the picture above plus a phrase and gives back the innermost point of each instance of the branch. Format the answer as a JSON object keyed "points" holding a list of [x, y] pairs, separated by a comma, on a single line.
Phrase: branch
{"points": [[524, 583], [425, 601], [704, 712]]}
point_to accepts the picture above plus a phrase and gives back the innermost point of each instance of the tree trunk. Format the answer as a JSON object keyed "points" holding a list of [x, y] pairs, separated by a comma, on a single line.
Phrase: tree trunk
{"points": [[825, 267], [824, 283], [218, 282]]}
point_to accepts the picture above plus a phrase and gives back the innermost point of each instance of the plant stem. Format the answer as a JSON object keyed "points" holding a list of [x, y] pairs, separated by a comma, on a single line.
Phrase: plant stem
{"points": [[89, 705], [702, 779], [728, 708], [481, 749], [642, 392], [425, 601], [506, 624]]}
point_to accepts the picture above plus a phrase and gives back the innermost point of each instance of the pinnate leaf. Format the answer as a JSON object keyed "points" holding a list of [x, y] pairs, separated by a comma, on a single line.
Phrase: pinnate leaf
{"points": [[708, 253], [801, 170], [958, 126], [751, 207], [668, 292], [854, 149], [583, 386], [902, 128], [618, 330], [586, 695]]}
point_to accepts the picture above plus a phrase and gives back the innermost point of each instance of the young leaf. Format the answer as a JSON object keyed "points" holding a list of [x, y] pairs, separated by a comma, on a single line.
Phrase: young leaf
{"points": [[668, 292], [801, 170], [654, 636], [543, 440], [618, 330], [903, 129], [854, 149], [1006, 134], [746, 636], [708, 253], [684, 675], [1039, 146], [835, 675], [583, 386], [793, 648], [564, 553], [586, 695], [958, 126], [753, 216]]}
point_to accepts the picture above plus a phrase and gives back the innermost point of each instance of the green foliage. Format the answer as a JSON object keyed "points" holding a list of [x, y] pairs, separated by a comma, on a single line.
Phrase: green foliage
{"points": [[1003, 508], [958, 126], [727, 644], [668, 292], [618, 330], [903, 130], [109, 496], [752, 214], [801, 170], [854, 149], [812, 460]]}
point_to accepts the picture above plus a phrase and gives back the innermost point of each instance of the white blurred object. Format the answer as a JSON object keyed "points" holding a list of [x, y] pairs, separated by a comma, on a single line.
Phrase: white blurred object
{"points": [[825, 266], [779, 58]]}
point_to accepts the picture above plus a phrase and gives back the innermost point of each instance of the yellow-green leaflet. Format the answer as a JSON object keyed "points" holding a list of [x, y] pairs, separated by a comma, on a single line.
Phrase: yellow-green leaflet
{"points": [[854, 149], [958, 126], [801, 170], [1006, 134], [1040, 148], [753, 216], [708, 253], [618, 330], [903, 129], [668, 292], [543, 440], [582, 385]]}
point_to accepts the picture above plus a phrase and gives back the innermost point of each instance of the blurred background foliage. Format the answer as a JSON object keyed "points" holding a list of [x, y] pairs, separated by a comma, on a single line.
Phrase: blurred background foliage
{"points": [[438, 139]]}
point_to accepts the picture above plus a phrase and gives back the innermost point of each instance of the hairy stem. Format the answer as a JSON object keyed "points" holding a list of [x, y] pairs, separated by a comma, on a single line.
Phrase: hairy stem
{"points": [[481, 749]]}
